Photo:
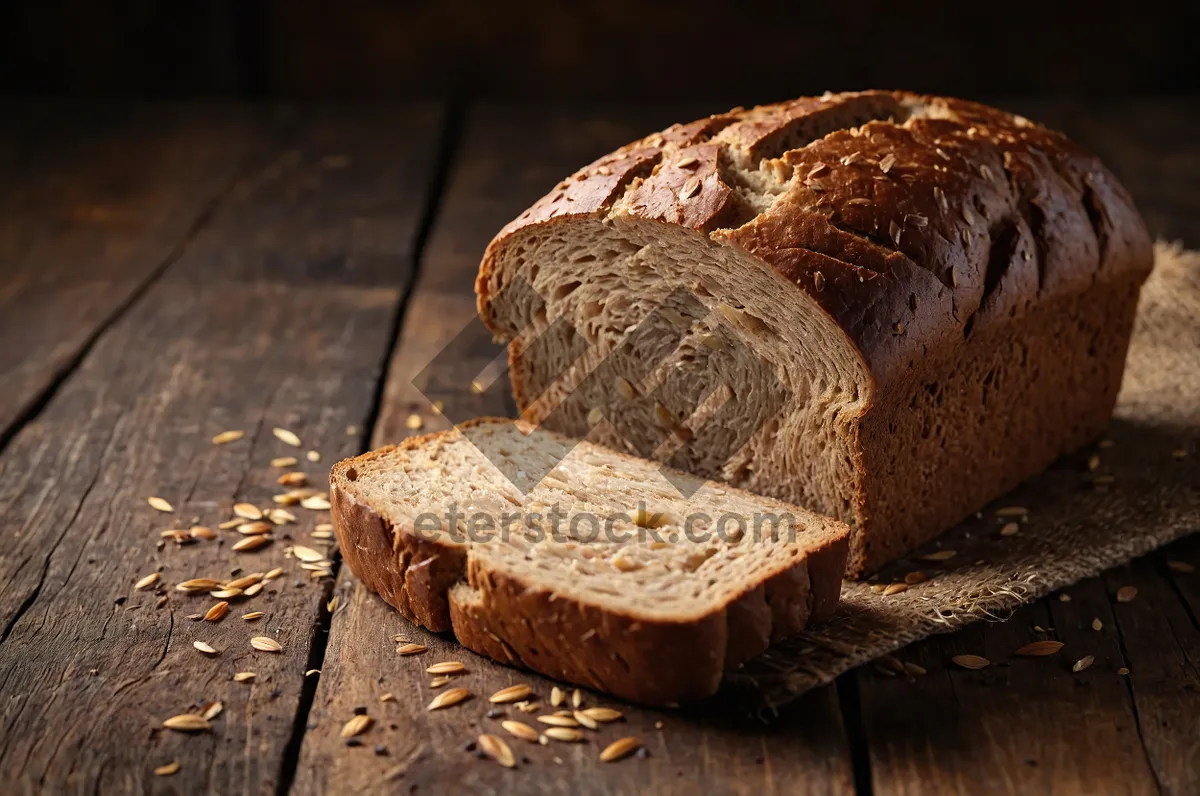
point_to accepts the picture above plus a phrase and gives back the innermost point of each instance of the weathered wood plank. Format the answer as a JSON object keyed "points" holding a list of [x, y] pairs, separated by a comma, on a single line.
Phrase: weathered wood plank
{"points": [[94, 201], [277, 313], [510, 157]]}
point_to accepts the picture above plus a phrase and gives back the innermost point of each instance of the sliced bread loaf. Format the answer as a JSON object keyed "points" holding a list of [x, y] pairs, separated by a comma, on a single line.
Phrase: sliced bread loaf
{"points": [[582, 563], [888, 307]]}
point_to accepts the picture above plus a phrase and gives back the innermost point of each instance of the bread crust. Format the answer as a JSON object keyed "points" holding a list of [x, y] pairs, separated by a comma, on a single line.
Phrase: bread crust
{"points": [[926, 228], [443, 587]]}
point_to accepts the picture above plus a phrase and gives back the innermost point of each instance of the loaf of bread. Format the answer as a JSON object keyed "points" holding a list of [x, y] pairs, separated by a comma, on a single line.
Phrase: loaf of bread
{"points": [[580, 562], [886, 307]]}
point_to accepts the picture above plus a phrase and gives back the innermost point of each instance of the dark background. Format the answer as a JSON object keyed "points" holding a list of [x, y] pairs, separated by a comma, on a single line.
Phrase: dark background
{"points": [[594, 49]]}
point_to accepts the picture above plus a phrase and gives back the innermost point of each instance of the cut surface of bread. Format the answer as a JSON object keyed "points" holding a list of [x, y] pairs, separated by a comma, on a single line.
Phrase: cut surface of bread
{"points": [[580, 562], [888, 307]]}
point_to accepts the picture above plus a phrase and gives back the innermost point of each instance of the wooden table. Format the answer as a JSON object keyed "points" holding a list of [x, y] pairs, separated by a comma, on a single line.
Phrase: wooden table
{"points": [[173, 271]]}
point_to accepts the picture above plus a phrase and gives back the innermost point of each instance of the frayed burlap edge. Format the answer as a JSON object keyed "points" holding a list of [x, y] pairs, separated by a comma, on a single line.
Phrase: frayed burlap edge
{"points": [[1079, 521]]}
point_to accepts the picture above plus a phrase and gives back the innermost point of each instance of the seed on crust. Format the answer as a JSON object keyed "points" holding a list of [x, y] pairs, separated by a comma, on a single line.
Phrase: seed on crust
{"points": [[519, 729], [886, 163], [689, 189], [448, 698], [514, 693], [357, 726], [1038, 649], [619, 749], [494, 747]]}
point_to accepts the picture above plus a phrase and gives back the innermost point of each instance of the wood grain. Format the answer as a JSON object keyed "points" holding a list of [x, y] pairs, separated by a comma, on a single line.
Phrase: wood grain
{"points": [[277, 313], [509, 158], [94, 201]]}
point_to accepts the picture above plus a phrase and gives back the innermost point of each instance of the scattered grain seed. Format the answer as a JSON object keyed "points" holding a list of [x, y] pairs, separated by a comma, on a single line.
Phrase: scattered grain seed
{"points": [[217, 612], [878, 588], [1012, 511], [160, 504], [971, 661], [265, 644], [559, 721], [172, 767], [448, 698], [323, 526], [204, 647], [577, 697], [619, 749], [226, 594], [624, 388], [495, 748], [315, 503], [198, 584], [1093, 462], [1180, 453], [244, 581], [313, 456], [311, 672], [414, 422], [307, 554], [663, 415], [914, 669], [286, 437], [1083, 663], [913, 578], [1126, 594], [294, 478], [187, 722], [1097, 625], [1064, 598], [602, 715], [595, 415], [1103, 480], [514, 693], [1123, 671], [244, 677], [247, 511], [202, 532], [253, 589], [256, 527], [941, 555], [332, 605], [564, 734], [557, 696], [146, 582], [283, 461], [440, 681], [273, 573], [228, 524], [357, 726], [519, 729], [161, 601], [446, 667], [895, 588], [411, 649], [1010, 529], [1182, 567], [251, 543], [585, 720], [1038, 649], [388, 697], [213, 710]]}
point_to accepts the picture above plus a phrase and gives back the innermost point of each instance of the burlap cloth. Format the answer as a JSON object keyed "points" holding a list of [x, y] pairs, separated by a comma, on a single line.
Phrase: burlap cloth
{"points": [[1144, 494]]}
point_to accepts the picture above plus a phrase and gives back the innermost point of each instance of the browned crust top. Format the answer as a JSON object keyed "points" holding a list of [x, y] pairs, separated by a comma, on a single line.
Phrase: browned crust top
{"points": [[914, 221]]}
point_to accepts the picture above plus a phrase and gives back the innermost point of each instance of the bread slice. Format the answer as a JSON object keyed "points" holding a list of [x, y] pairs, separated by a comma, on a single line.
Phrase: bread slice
{"points": [[887, 307], [654, 583]]}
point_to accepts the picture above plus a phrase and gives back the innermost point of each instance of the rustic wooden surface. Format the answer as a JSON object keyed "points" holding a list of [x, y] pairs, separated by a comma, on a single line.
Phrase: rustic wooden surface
{"points": [[169, 273]]}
